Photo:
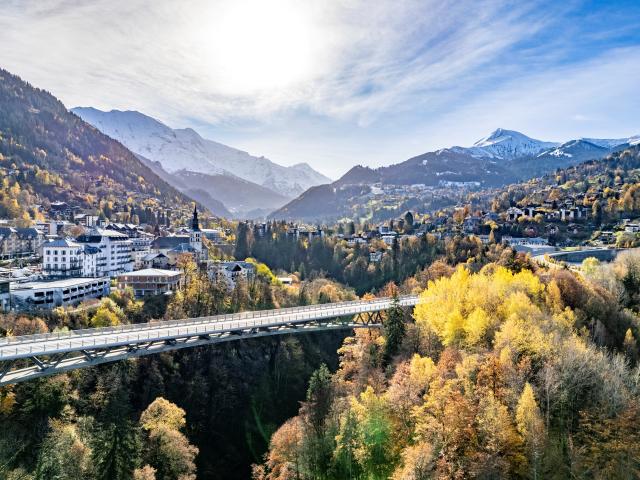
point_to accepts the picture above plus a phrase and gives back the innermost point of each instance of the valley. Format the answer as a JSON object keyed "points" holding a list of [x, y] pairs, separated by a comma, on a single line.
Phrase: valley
{"points": [[319, 240]]}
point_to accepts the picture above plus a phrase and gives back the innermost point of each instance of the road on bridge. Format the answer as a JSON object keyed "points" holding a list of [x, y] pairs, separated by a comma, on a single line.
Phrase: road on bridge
{"points": [[82, 348]]}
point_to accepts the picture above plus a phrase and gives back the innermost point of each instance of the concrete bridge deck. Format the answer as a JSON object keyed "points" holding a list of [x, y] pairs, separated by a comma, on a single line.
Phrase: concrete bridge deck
{"points": [[31, 356]]}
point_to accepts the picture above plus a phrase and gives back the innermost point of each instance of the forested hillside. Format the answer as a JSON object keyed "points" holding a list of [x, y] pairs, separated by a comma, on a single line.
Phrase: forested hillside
{"points": [[49, 154], [502, 374], [205, 411]]}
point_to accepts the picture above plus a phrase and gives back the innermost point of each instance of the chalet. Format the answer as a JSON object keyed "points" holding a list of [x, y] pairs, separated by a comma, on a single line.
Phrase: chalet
{"points": [[356, 240], [154, 260], [375, 257], [129, 229], [514, 213], [389, 238], [62, 211], [607, 237], [471, 224]]}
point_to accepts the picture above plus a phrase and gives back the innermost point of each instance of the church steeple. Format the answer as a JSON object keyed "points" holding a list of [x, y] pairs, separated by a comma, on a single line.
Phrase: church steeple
{"points": [[195, 224]]}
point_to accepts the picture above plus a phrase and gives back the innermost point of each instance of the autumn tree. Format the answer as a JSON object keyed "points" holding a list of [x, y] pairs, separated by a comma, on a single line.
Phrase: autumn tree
{"points": [[63, 454], [531, 427], [167, 448]]}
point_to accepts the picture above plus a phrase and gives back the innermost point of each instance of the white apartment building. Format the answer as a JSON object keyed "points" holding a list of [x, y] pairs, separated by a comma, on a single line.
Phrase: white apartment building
{"points": [[140, 248], [114, 251], [68, 258]]}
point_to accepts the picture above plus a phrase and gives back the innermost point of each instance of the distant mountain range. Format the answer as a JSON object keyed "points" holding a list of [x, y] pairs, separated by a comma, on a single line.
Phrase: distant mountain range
{"points": [[505, 156], [245, 184]]}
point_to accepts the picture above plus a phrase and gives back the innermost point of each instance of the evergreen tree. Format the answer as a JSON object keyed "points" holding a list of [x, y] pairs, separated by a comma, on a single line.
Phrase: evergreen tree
{"points": [[116, 445], [116, 451], [244, 242], [394, 330]]}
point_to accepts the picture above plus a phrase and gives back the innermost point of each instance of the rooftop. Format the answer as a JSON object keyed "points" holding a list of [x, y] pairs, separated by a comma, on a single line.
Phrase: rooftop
{"points": [[66, 282], [151, 272], [62, 242]]}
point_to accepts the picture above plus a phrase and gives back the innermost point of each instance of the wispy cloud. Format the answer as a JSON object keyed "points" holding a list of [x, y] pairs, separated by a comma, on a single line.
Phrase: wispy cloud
{"points": [[411, 74], [370, 57]]}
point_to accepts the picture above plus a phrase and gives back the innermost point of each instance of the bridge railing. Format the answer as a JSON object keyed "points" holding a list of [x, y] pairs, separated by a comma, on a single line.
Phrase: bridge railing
{"points": [[185, 329], [347, 308]]}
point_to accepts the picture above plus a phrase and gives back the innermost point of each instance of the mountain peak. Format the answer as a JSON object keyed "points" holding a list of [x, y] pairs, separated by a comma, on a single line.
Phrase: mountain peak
{"points": [[503, 135], [507, 145]]}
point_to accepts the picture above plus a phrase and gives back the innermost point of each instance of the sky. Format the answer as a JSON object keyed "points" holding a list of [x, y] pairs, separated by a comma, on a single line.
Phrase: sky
{"points": [[336, 83]]}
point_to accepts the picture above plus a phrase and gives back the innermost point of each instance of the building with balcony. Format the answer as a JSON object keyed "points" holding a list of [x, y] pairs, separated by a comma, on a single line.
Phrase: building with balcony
{"points": [[114, 251], [19, 242], [151, 281], [65, 258]]}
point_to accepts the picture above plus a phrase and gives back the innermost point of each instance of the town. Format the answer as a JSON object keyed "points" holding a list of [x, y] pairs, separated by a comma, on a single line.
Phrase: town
{"points": [[49, 268], [74, 256]]}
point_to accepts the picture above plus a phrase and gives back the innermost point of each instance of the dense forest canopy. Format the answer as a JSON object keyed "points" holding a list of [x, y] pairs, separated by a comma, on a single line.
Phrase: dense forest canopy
{"points": [[502, 375]]}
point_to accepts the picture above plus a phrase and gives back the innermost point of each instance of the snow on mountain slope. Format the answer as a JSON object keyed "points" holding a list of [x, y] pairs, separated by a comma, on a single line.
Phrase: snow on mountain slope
{"points": [[579, 149], [185, 149], [507, 145], [613, 142]]}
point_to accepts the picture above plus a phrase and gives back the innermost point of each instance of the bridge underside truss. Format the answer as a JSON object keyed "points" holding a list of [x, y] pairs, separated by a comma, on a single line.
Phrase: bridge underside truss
{"points": [[22, 369]]}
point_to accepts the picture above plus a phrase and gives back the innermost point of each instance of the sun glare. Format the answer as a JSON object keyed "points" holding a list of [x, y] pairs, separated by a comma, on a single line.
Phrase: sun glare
{"points": [[258, 45]]}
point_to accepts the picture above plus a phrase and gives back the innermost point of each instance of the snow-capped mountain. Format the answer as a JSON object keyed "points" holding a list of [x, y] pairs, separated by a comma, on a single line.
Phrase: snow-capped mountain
{"points": [[503, 157], [185, 149], [506, 145], [580, 148]]}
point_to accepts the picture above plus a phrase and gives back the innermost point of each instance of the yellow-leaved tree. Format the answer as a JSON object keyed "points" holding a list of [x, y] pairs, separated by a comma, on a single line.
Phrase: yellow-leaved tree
{"points": [[531, 427], [466, 310]]}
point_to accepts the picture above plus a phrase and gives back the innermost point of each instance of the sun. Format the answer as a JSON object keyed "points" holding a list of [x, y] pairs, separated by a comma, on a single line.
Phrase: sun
{"points": [[258, 46]]}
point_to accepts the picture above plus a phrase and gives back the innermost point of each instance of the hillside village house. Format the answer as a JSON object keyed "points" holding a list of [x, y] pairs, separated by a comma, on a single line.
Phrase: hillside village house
{"points": [[153, 260]]}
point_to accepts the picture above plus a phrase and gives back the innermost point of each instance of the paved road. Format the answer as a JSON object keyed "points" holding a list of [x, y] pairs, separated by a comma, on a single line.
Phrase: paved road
{"points": [[80, 348]]}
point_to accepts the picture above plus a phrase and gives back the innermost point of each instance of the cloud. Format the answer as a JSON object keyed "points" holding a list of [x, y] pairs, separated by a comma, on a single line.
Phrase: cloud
{"points": [[337, 82], [369, 58]]}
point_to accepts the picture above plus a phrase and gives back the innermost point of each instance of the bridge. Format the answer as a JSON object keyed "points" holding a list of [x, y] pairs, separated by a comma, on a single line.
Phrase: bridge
{"points": [[30, 356]]}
